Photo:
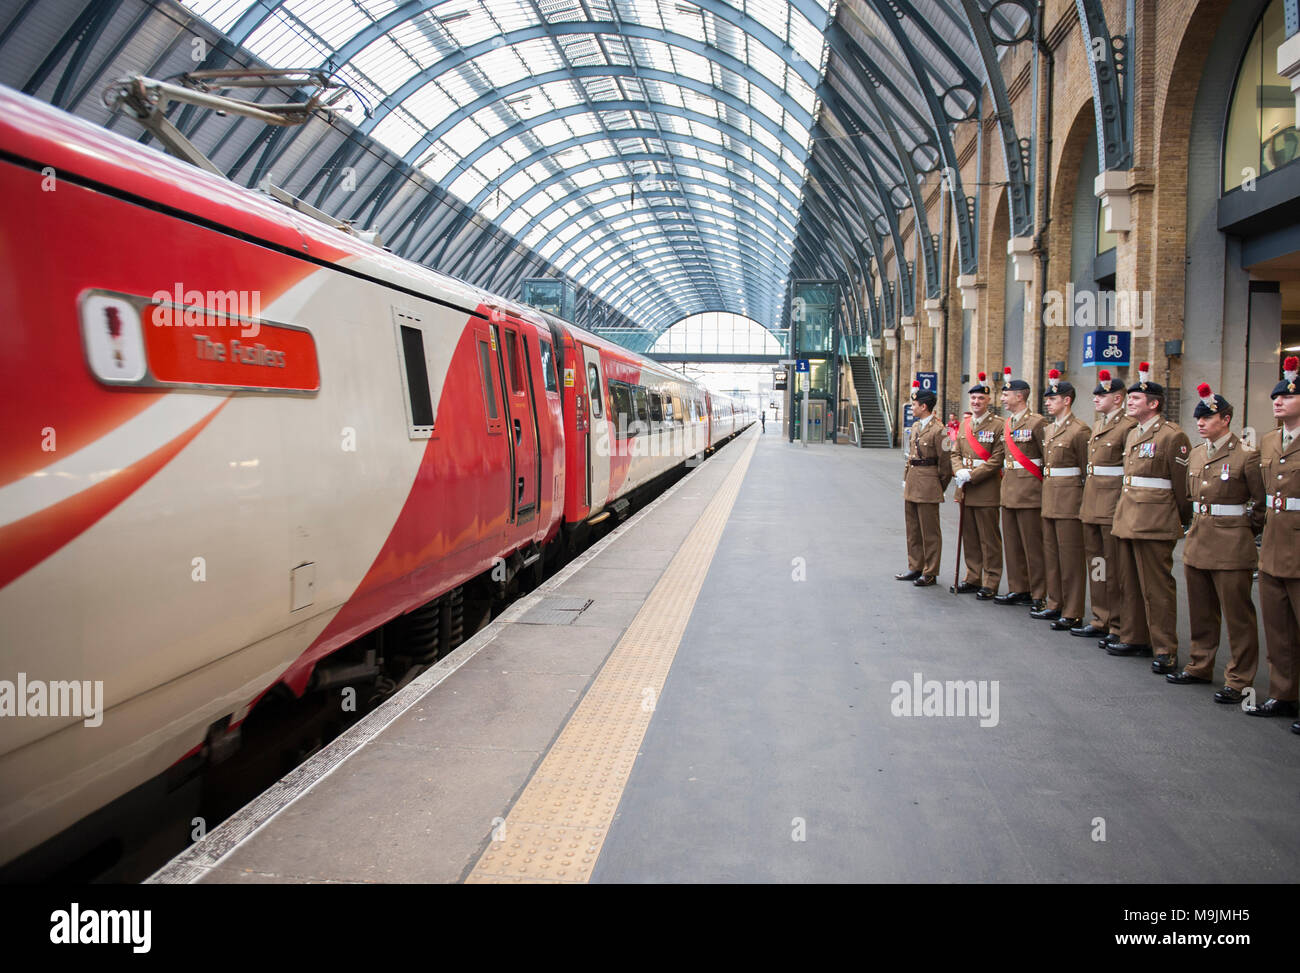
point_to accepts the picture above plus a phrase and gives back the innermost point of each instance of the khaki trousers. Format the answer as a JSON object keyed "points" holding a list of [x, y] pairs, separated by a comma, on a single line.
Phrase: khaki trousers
{"points": [[1103, 581], [1214, 597], [1279, 603], [924, 541], [1064, 565], [1149, 597], [981, 540], [1022, 534]]}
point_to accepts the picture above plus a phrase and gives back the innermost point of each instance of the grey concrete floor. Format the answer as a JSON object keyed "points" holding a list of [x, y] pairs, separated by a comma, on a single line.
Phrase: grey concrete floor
{"points": [[774, 755]]}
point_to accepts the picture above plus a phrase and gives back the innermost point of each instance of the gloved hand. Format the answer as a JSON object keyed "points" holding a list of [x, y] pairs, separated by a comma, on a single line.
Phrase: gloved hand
{"points": [[962, 476]]}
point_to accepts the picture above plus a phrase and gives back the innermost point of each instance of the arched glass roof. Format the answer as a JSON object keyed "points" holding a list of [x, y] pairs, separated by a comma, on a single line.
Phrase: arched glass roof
{"points": [[669, 156], [601, 133]]}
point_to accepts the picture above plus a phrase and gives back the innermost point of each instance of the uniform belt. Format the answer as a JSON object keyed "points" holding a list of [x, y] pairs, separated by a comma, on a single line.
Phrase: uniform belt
{"points": [[1151, 482], [1222, 509], [1064, 471], [1105, 471], [1276, 502], [932, 461]]}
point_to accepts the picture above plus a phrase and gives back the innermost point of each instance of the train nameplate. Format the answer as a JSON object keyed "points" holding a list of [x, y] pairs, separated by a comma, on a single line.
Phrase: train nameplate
{"points": [[150, 342]]}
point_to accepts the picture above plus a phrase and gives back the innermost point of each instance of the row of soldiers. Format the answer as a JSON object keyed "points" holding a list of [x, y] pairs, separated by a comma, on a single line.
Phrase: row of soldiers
{"points": [[1102, 508]]}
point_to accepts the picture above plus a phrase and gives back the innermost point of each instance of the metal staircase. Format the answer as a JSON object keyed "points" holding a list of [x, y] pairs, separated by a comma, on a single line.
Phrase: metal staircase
{"points": [[875, 429]]}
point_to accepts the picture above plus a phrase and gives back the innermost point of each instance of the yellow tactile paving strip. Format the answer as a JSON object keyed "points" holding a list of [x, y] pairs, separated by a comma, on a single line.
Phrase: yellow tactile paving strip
{"points": [[555, 830]]}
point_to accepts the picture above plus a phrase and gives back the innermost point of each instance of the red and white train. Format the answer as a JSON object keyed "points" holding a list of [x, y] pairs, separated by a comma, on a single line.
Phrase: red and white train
{"points": [[237, 440]]}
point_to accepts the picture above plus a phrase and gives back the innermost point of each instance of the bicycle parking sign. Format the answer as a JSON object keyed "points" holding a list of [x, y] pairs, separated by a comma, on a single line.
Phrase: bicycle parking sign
{"points": [[1106, 348]]}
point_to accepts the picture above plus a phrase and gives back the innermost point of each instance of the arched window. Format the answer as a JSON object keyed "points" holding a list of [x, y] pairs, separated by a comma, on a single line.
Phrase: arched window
{"points": [[1261, 132]]}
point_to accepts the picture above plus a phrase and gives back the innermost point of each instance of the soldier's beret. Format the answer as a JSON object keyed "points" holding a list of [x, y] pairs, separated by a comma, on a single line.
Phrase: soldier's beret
{"points": [[1211, 404], [1144, 383], [1106, 384], [1288, 385]]}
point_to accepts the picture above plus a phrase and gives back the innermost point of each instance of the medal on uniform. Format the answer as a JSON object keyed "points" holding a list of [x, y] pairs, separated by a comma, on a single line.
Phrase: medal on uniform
{"points": [[1224, 474]]}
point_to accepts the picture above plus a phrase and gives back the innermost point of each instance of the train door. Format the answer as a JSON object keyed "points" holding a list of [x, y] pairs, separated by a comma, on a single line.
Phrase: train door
{"points": [[599, 444], [496, 455], [521, 413]]}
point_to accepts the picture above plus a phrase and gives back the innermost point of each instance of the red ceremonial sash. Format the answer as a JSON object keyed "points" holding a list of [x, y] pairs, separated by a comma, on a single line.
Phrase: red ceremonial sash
{"points": [[975, 444], [1019, 456]]}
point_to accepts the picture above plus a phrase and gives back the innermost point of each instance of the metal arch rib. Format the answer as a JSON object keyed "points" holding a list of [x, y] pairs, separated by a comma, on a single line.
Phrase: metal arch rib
{"points": [[593, 71], [1015, 152], [644, 249], [733, 64], [408, 11], [759, 189], [873, 238], [929, 257], [643, 133], [765, 223], [656, 246], [1111, 108], [581, 108], [652, 247], [722, 11], [837, 158], [967, 251], [863, 262], [602, 222]]}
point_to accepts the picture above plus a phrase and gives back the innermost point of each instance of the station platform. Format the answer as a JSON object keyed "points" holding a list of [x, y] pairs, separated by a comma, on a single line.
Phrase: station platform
{"points": [[731, 687]]}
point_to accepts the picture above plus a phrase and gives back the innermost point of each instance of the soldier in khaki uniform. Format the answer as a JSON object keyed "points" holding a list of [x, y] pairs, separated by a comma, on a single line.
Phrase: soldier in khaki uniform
{"points": [[1223, 480], [1100, 494], [1022, 492], [1065, 454], [977, 468], [929, 470], [1152, 511], [1279, 554]]}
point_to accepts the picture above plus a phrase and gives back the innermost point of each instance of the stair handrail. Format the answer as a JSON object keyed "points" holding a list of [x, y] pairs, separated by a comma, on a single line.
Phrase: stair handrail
{"points": [[881, 395]]}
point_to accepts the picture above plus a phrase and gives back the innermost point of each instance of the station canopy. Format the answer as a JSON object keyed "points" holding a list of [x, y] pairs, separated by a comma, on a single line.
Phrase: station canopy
{"points": [[671, 157]]}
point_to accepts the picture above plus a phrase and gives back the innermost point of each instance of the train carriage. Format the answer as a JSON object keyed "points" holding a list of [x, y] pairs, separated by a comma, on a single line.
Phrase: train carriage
{"points": [[237, 440]]}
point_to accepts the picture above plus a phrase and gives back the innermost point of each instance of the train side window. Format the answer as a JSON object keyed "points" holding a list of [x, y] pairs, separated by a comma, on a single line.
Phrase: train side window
{"points": [[415, 375], [512, 356], [679, 410], [593, 384], [489, 387], [656, 407], [622, 396], [548, 366], [642, 403], [668, 408]]}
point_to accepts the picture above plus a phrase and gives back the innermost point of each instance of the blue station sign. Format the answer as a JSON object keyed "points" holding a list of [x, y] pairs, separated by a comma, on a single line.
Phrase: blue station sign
{"points": [[1106, 348]]}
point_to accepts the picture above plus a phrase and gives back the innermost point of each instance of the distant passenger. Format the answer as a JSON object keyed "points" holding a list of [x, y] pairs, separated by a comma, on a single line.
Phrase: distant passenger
{"points": [[762, 420]]}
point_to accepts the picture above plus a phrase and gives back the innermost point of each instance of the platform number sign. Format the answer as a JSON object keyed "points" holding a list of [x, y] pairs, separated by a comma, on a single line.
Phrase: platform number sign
{"points": [[801, 365], [929, 381]]}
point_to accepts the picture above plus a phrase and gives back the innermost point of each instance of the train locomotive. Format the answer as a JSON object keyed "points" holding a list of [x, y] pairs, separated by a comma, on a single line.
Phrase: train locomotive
{"points": [[237, 441]]}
